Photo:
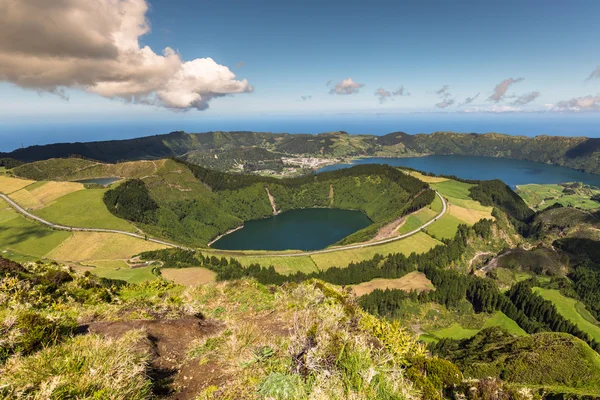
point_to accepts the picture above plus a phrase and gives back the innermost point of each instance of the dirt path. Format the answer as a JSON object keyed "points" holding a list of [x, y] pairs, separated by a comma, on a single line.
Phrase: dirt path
{"points": [[175, 375], [272, 201], [477, 255]]}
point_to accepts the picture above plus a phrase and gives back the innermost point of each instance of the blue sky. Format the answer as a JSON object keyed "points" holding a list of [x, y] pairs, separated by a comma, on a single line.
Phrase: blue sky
{"points": [[290, 49]]}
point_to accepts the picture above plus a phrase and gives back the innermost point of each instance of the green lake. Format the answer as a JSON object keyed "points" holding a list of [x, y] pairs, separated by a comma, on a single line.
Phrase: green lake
{"points": [[306, 229]]}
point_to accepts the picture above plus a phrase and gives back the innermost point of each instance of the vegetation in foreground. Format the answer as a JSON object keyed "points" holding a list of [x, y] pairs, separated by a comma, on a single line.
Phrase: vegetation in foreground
{"points": [[86, 337]]}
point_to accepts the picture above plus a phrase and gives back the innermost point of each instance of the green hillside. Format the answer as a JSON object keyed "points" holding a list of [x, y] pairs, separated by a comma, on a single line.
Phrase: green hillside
{"points": [[557, 361], [573, 152]]}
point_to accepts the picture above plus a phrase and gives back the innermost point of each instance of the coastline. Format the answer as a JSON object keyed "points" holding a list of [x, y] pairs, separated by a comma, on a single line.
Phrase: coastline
{"points": [[224, 234]]}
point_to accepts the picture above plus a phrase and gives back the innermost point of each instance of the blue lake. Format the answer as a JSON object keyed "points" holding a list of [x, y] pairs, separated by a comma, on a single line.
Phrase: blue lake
{"points": [[306, 229], [512, 172]]}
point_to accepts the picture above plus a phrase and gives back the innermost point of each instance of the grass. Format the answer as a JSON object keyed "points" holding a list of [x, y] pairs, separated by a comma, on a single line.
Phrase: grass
{"points": [[544, 196], [567, 307], [417, 219], [9, 185], [455, 189], [457, 332], [189, 276], [426, 178], [418, 243], [445, 227], [469, 215], [283, 265], [437, 205], [87, 246], [86, 366], [412, 281], [83, 209], [25, 236], [119, 269]]}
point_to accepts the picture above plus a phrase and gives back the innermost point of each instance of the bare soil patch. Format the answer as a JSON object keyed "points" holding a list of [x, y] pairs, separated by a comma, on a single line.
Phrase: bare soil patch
{"points": [[173, 374]]}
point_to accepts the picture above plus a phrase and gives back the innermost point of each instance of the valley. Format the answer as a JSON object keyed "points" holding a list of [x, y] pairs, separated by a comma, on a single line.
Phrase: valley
{"points": [[448, 259]]}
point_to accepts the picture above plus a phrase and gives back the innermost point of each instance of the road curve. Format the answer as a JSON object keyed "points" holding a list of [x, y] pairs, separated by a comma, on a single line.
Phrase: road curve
{"points": [[304, 253], [75, 229]]}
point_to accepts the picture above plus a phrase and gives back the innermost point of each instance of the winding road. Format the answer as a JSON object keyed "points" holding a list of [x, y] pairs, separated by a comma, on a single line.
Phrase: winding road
{"points": [[304, 253], [75, 229]]}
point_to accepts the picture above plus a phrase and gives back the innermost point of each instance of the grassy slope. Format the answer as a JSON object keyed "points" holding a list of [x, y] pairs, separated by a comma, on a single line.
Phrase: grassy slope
{"points": [[83, 209], [445, 227], [418, 243], [119, 269], [541, 197], [26, 237], [85, 246], [569, 309], [457, 332]]}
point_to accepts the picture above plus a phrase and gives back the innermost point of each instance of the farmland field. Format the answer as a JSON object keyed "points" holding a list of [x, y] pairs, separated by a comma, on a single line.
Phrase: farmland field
{"points": [[283, 265], [412, 281], [39, 195], [418, 243], [417, 219], [455, 189], [26, 237], [9, 185], [119, 269], [457, 332], [86, 246], [569, 309], [83, 209], [541, 197], [189, 276], [445, 227]]}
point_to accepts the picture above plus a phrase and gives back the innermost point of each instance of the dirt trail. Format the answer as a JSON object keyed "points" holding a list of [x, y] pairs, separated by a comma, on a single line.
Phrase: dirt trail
{"points": [[272, 201], [175, 376]]}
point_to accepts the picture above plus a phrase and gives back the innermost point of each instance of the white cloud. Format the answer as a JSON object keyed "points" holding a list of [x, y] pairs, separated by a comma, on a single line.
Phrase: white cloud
{"points": [[594, 74], [469, 100], [526, 98], [501, 88], [93, 45], [586, 103], [382, 94], [401, 92], [445, 103], [346, 86]]}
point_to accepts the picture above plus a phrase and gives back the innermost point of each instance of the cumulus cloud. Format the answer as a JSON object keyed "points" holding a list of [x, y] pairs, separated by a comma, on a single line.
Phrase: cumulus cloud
{"points": [[446, 99], [445, 103], [384, 95], [469, 100], [501, 88], [595, 74], [346, 86], [305, 98], [93, 45], [401, 92], [586, 103], [526, 98], [443, 91]]}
